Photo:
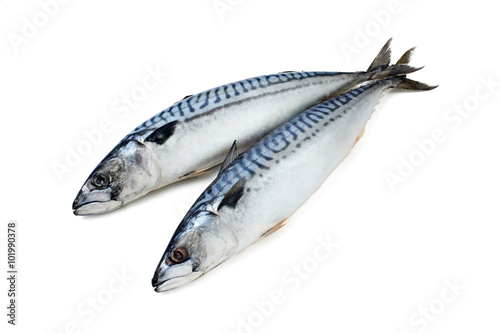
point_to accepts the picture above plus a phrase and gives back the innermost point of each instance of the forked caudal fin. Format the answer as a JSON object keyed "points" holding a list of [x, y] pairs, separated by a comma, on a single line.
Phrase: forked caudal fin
{"points": [[408, 84], [380, 68], [406, 57], [383, 58]]}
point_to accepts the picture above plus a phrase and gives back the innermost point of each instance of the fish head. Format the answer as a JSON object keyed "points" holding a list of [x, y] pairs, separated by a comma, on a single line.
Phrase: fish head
{"points": [[127, 173], [197, 246]]}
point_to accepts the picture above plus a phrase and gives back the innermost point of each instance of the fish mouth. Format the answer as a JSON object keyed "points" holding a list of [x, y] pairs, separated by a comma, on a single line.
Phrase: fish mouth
{"points": [[89, 202], [95, 207], [175, 282], [170, 277]]}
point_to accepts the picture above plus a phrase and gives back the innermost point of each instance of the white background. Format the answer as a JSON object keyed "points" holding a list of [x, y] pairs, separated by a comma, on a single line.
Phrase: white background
{"points": [[398, 248]]}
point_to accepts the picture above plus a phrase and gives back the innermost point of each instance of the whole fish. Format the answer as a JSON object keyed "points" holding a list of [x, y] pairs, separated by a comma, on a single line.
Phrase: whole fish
{"points": [[254, 193], [195, 133]]}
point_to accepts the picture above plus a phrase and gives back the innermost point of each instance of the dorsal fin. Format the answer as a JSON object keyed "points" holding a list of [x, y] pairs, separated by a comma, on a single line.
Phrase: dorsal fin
{"points": [[233, 195], [161, 134], [231, 156]]}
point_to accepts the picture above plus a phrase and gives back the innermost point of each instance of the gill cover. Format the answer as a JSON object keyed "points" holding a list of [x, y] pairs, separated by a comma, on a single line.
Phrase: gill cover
{"points": [[127, 173]]}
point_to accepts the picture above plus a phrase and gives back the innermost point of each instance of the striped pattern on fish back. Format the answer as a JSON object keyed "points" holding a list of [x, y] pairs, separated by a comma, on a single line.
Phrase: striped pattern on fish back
{"points": [[282, 141], [222, 96]]}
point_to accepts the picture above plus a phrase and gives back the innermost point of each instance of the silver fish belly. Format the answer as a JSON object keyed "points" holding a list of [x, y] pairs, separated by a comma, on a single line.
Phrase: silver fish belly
{"points": [[256, 192], [194, 134]]}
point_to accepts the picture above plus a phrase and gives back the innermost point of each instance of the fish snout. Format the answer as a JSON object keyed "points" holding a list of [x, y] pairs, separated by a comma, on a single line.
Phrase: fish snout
{"points": [[154, 281], [78, 199], [94, 202], [170, 277], [81, 198], [159, 276]]}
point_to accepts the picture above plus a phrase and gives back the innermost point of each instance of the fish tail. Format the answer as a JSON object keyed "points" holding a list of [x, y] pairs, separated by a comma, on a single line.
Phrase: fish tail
{"points": [[394, 70], [408, 84], [406, 57], [383, 58], [380, 68]]}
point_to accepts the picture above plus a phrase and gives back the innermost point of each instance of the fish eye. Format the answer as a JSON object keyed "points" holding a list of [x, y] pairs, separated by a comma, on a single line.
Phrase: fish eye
{"points": [[100, 180], [179, 255]]}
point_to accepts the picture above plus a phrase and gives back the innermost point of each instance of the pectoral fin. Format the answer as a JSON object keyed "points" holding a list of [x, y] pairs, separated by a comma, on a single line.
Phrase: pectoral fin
{"points": [[233, 195], [160, 135]]}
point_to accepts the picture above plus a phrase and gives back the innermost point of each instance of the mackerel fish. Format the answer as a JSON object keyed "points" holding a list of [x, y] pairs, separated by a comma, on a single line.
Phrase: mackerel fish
{"points": [[195, 133], [254, 193]]}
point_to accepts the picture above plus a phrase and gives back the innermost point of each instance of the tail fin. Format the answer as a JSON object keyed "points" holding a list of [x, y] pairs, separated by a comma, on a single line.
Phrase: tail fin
{"points": [[383, 58], [400, 68], [413, 85], [394, 70], [406, 57], [380, 68]]}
